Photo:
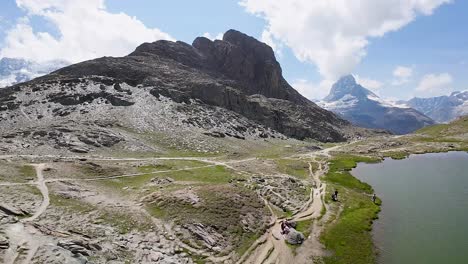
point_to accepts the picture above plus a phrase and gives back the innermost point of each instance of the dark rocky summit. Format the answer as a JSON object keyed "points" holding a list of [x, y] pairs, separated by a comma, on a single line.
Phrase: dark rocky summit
{"points": [[364, 108], [223, 88]]}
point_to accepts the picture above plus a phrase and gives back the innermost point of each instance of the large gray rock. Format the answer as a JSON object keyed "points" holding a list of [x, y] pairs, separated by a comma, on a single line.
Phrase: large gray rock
{"points": [[294, 237], [4, 244]]}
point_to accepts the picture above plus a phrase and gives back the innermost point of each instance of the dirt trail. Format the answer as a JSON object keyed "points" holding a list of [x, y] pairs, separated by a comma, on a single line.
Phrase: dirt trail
{"points": [[41, 185], [22, 235], [271, 247]]}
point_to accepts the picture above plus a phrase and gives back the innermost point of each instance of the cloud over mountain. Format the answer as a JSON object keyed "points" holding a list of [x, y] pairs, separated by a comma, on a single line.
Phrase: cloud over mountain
{"points": [[85, 29], [334, 34]]}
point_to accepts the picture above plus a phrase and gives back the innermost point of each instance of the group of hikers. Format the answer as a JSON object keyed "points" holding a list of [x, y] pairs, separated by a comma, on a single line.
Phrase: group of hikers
{"points": [[285, 227], [335, 197]]}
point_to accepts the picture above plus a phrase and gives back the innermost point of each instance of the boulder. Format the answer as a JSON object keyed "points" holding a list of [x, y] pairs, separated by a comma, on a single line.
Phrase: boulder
{"points": [[11, 210], [294, 237], [4, 244]]}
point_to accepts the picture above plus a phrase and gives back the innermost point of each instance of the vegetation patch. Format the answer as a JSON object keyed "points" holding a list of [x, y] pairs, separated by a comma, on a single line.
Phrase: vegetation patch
{"points": [[397, 155], [70, 204], [125, 222], [297, 168], [339, 172], [348, 236], [16, 172], [234, 212]]}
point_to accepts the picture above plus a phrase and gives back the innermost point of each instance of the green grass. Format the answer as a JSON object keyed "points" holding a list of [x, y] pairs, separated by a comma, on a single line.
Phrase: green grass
{"points": [[457, 127], [339, 172], [124, 222], [434, 130], [349, 237], [195, 172], [397, 155], [297, 168], [213, 175], [305, 227], [28, 171], [70, 204], [221, 207]]}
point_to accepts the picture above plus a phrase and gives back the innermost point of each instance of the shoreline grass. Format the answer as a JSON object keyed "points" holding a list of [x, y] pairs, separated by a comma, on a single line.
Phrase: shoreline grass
{"points": [[349, 236]]}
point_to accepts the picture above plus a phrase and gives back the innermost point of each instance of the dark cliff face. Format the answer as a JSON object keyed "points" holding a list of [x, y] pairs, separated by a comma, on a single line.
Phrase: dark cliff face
{"points": [[238, 73]]}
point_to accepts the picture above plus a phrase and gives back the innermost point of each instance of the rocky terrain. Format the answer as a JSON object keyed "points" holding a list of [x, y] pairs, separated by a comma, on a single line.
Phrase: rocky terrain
{"points": [[178, 153], [172, 92], [364, 108], [442, 109]]}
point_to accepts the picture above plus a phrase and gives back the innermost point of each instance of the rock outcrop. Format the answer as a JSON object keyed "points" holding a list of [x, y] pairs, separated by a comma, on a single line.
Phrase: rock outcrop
{"points": [[224, 88]]}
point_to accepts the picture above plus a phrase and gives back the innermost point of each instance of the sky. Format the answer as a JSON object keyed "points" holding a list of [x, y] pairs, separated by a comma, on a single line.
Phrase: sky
{"points": [[396, 48]]}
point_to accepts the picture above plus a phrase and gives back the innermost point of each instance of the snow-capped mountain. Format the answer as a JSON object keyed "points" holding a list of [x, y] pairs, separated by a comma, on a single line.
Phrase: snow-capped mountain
{"points": [[442, 108], [364, 108], [13, 70]]}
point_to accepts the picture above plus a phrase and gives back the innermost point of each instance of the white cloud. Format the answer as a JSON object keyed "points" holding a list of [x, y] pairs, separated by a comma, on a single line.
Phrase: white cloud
{"points": [[368, 83], [402, 75], [434, 85], [312, 90], [86, 30], [334, 34], [213, 37], [275, 45]]}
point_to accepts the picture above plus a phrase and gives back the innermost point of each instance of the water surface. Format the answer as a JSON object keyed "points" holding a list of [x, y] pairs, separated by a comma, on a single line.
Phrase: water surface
{"points": [[424, 216]]}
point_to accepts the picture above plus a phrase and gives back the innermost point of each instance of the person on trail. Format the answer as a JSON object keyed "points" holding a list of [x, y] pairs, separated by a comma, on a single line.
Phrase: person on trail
{"points": [[285, 226], [374, 198], [336, 194]]}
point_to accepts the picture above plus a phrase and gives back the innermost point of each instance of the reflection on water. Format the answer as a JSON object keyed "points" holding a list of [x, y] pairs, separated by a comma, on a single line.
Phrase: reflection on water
{"points": [[424, 216]]}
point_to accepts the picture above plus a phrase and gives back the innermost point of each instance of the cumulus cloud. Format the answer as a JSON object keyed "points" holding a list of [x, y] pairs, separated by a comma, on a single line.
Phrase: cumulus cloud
{"points": [[334, 34], [434, 85], [402, 75], [312, 90], [368, 83], [85, 30], [213, 37]]}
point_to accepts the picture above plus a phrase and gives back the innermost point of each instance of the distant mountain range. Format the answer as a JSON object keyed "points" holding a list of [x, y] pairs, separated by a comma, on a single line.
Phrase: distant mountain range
{"points": [[14, 70], [442, 109], [364, 108]]}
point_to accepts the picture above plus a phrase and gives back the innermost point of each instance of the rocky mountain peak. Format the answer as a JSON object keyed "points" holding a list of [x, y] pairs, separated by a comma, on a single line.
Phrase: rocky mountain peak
{"points": [[347, 86], [243, 58]]}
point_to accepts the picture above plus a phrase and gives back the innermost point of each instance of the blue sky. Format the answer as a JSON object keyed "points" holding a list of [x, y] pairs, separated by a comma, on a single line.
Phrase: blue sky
{"points": [[430, 46]]}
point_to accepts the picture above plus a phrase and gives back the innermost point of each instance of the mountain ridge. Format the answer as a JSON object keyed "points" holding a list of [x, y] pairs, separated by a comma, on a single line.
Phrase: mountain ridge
{"points": [[231, 88], [444, 108], [362, 107]]}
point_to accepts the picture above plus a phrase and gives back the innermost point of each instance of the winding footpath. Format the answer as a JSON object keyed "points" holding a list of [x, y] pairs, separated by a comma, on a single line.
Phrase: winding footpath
{"points": [[22, 234], [269, 248]]}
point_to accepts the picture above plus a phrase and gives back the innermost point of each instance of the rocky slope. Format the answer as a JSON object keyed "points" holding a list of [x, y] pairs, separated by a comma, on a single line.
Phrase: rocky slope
{"points": [[442, 108], [364, 108], [14, 70], [230, 88]]}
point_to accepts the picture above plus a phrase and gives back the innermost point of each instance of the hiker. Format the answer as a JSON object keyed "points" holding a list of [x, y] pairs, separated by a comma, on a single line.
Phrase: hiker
{"points": [[285, 226], [333, 197], [374, 198]]}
